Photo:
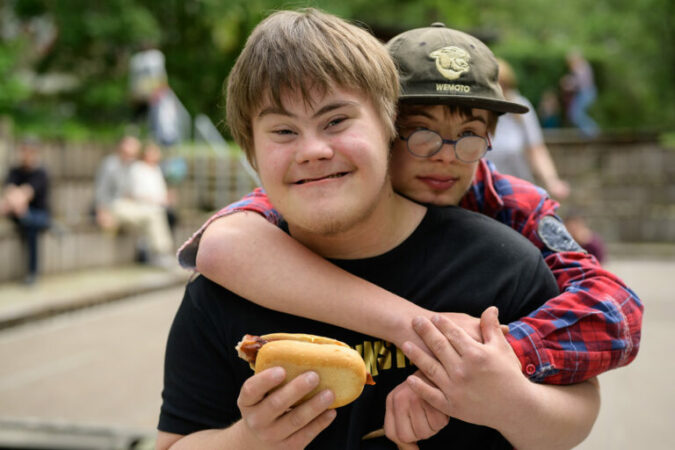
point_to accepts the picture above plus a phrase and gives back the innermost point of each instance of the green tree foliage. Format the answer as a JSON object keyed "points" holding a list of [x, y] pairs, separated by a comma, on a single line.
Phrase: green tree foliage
{"points": [[630, 44]]}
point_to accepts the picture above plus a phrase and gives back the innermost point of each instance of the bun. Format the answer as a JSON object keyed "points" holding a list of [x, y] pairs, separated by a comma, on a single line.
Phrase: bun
{"points": [[340, 368]]}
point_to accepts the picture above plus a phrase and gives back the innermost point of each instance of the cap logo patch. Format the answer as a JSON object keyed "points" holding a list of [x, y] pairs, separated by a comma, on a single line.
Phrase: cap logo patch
{"points": [[451, 61]]}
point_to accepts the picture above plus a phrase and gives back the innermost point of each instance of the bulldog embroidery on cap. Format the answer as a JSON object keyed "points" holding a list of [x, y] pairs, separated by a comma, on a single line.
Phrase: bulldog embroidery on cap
{"points": [[451, 61]]}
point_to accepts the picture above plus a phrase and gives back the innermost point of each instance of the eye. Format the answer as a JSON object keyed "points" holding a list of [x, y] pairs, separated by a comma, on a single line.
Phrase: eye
{"points": [[468, 133], [282, 135], [335, 122]]}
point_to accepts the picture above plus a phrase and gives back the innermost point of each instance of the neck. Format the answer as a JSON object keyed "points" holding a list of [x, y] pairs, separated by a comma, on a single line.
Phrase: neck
{"points": [[389, 224]]}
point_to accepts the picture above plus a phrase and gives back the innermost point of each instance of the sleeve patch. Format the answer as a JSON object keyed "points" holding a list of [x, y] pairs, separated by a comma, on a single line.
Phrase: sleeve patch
{"points": [[555, 236]]}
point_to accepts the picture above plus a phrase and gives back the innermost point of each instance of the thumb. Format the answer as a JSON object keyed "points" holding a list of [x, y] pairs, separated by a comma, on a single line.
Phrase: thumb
{"points": [[411, 446], [489, 324]]}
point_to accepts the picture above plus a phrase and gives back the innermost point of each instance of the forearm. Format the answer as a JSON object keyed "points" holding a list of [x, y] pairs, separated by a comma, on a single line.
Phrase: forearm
{"points": [[593, 325], [552, 417], [542, 164], [233, 437], [594, 308], [283, 275]]}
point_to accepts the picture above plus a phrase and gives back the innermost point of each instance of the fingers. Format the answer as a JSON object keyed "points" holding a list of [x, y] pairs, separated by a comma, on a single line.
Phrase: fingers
{"points": [[397, 425], [306, 434], [438, 332], [493, 331], [489, 324], [448, 343], [291, 393], [266, 408], [435, 418], [408, 418], [256, 387], [430, 394], [411, 446], [429, 365], [306, 412]]}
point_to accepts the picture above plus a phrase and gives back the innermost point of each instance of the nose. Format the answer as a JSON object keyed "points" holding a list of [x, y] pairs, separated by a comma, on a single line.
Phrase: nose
{"points": [[313, 148], [446, 154]]}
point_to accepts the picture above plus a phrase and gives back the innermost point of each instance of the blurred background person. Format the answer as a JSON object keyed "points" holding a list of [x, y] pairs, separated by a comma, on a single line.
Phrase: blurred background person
{"points": [[25, 200], [591, 241], [579, 84], [154, 100], [148, 184], [518, 144], [549, 109], [116, 208]]}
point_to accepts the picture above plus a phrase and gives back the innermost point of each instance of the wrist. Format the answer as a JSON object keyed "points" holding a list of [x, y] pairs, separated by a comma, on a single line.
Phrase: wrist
{"points": [[400, 328], [524, 402], [240, 436]]}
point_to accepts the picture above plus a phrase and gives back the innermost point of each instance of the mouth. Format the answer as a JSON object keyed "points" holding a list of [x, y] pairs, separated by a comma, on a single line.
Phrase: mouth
{"points": [[438, 182], [327, 177]]}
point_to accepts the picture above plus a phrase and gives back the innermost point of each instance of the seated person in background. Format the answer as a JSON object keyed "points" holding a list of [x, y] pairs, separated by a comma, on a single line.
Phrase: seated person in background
{"points": [[316, 117], [115, 207], [591, 241], [25, 200], [148, 184]]}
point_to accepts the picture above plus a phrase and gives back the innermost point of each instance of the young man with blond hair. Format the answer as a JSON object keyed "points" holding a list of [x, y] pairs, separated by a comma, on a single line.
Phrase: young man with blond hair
{"points": [[316, 116]]}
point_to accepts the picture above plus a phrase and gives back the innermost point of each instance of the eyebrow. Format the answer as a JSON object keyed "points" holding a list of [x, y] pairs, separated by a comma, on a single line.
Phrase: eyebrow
{"points": [[323, 110], [423, 113]]}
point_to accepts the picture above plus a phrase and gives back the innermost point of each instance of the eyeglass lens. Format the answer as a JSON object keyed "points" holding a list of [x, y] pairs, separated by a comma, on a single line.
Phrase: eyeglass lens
{"points": [[426, 143]]}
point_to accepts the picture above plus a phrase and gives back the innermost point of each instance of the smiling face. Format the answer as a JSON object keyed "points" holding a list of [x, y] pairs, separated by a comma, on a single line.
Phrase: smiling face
{"points": [[441, 179], [322, 162]]}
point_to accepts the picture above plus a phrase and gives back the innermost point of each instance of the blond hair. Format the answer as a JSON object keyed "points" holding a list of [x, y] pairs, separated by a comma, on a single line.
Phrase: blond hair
{"points": [[306, 51], [507, 76]]}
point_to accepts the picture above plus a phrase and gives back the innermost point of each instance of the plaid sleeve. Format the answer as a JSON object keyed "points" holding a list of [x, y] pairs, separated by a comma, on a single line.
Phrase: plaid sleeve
{"points": [[594, 325], [255, 201]]}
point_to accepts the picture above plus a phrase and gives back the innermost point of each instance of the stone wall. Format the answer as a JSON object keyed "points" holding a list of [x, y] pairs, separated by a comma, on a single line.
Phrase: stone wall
{"points": [[624, 185]]}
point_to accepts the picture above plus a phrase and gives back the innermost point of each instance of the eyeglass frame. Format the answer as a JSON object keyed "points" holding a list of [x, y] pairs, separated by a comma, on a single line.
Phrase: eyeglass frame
{"points": [[443, 142]]}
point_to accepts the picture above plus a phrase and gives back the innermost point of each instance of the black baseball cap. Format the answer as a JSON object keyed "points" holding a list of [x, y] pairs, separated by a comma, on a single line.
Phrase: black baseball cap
{"points": [[439, 65]]}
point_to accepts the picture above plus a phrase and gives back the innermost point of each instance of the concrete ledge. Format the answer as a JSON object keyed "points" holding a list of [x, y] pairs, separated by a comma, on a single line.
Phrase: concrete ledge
{"points": [[641, 250], [41, 434], [61, 293]]}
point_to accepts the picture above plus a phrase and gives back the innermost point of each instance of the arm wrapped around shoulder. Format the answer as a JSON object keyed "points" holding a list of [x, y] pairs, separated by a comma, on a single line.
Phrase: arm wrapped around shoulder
{"points": [[340, 368]]}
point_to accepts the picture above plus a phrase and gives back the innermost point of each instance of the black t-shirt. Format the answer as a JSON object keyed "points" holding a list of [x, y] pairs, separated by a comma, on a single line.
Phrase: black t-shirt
{"points": [[455, 260], [37, 179]]}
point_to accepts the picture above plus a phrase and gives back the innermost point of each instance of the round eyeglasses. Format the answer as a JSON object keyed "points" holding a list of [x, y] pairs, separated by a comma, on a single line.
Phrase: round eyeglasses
{"points": [[426, 143]]}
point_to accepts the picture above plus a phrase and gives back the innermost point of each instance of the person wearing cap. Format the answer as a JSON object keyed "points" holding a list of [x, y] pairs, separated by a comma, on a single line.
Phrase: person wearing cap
{"points": [[25, 200], [592, 326], [315, 117]]}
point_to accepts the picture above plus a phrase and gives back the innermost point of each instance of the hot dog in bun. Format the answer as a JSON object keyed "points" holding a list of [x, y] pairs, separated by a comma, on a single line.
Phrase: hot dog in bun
{"points": [[340, 368]]}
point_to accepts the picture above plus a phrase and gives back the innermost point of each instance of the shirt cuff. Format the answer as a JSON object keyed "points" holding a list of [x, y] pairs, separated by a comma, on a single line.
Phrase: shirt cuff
{"points": [[531, 352]]}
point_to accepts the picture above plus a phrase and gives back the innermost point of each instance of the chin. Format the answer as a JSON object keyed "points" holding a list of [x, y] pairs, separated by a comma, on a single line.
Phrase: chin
{"points": [[434, 198]]}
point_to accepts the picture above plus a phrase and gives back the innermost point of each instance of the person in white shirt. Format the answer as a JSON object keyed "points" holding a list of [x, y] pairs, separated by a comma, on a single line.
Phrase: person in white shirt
{"points": [[518, 143]]}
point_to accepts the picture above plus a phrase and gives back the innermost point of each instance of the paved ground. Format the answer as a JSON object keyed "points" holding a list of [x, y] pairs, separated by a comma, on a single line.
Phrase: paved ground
{"points": [[96, 367], [101, 368], [638, 401]]}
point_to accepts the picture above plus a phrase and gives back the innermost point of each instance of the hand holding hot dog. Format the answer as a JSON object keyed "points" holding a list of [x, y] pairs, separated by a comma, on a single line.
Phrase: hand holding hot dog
{"points": [[267, 417], [339, 367]]}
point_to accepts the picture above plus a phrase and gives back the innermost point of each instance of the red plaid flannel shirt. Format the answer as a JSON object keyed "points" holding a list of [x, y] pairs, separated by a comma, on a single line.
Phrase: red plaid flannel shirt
{"points": [[594, 325]]}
